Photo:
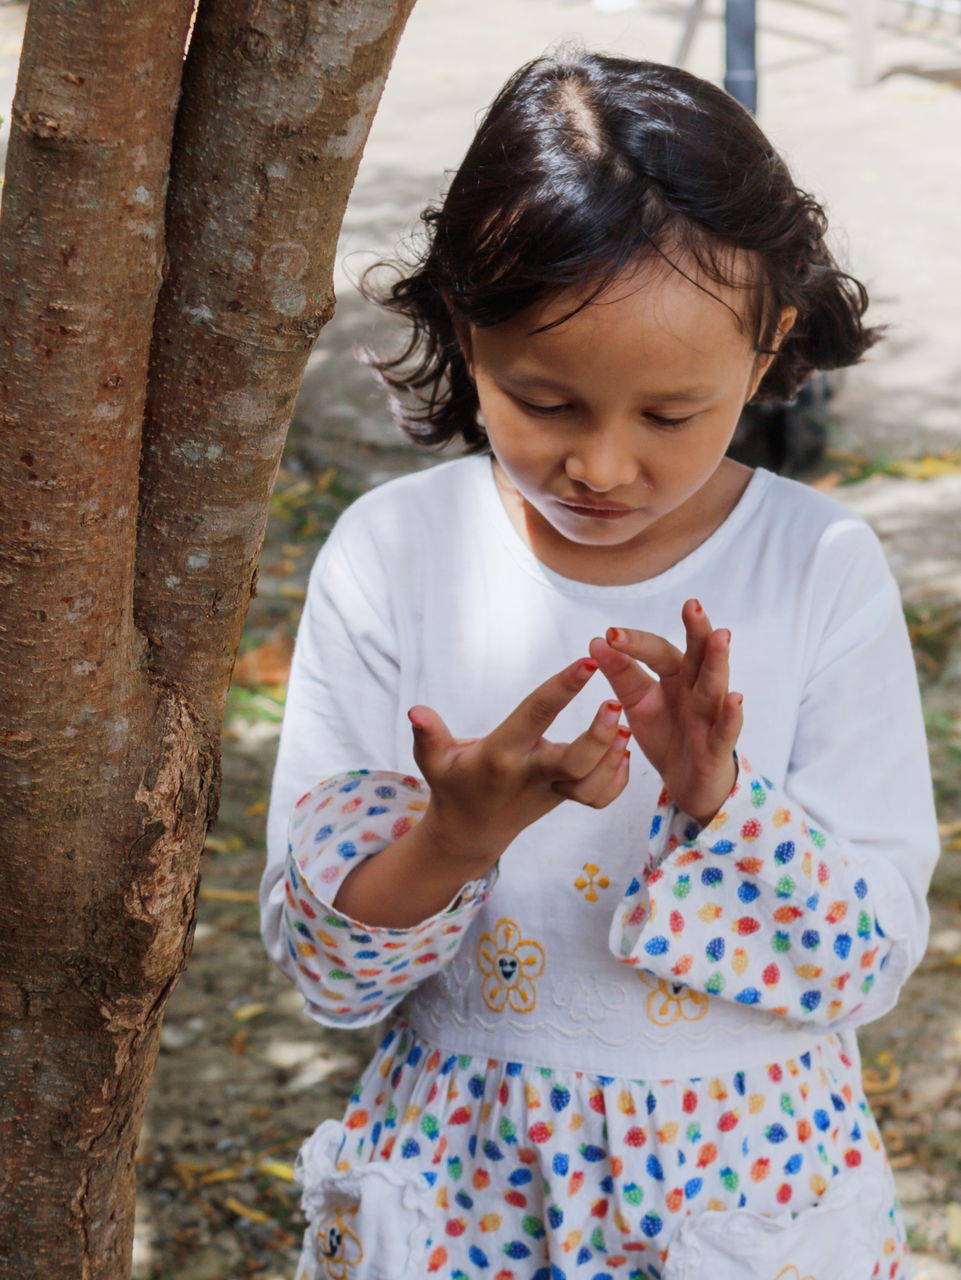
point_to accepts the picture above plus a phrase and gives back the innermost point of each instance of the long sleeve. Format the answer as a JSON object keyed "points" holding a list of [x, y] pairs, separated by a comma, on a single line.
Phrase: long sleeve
{"points": [[806, 897], [341, 701], [350, 974]]}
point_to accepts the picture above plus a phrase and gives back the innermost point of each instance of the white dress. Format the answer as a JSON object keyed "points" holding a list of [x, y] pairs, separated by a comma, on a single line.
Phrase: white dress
{"points": [[629, 1053]]}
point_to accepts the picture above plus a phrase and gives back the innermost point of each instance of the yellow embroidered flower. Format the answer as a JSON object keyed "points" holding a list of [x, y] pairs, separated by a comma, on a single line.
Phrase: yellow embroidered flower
{"points": [[590, 883], [671, 1002], [791, 1272], [509, 964], [336, 1247]]}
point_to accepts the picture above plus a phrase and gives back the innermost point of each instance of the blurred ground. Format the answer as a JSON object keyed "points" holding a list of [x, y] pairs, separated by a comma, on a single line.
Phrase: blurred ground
{"points": [[242, 1076]]}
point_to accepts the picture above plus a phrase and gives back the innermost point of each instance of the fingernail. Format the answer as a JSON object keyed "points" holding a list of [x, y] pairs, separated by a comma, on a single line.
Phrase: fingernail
{"points": [[415, 719], [623, 733], [740, 699], [586, 667], [726, 634], [615, 635], [611, 713], [697, 607]]}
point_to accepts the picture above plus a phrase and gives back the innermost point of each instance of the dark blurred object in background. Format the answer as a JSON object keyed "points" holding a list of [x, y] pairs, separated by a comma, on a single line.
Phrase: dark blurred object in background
{"points": [[788, 438]]}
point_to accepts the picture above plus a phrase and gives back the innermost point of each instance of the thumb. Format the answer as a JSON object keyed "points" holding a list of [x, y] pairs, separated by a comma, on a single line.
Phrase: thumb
{"points": [[432, 738]]}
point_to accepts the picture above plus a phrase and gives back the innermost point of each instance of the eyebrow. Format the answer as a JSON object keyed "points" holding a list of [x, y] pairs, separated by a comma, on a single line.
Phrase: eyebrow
{"points": [[533, 382]]}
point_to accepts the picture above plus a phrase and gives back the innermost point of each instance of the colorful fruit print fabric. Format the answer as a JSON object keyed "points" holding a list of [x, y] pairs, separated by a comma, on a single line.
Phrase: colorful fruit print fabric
{"points": [[760, 909], [505, 1170], [357, 975]]}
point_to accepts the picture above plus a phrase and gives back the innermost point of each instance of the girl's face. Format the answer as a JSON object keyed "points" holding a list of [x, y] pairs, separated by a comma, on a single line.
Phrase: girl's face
{"points": [[609, 431]]}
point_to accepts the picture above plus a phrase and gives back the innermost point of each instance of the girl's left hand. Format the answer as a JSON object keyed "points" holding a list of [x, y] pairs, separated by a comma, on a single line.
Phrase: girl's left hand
{"points": [[686, 722]]}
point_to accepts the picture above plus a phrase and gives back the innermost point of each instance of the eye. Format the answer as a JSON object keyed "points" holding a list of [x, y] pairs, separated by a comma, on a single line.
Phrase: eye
{"points": [[542, 410], [668, 422]]}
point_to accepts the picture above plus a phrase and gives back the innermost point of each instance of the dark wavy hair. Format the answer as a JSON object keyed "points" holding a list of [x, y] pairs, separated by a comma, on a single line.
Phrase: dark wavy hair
{"points": [[582, 169]]}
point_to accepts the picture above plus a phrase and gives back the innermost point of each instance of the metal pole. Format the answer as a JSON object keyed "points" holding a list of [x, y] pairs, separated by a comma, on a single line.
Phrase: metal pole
{"points": [[740, 30], [695, 11]]}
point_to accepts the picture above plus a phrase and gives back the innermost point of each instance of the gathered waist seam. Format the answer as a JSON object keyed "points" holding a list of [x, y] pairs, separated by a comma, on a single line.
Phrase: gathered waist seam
{"points": [[776, 1049]]}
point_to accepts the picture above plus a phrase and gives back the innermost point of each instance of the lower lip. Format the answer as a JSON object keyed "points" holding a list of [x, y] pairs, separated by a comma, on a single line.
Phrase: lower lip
{"points": [[599, 513]]}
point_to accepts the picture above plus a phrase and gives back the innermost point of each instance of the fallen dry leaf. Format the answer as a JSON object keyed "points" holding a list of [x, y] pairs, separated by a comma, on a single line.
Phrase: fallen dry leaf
{"points": [[269, 663], [187, 1170], [244, 1211], [931, 465], [278, 1168], [228, 895], [230, 1174], [906, 1161], [244, 1012], [953, 1215], [875, 1081]]}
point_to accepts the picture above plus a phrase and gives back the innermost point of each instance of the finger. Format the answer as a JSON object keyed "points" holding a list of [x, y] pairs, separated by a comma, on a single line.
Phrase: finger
{"points": [[728, 726], [663, 658], [432, 740], [627, 679], [714, 676], [617, 784], [697, 628], [606, 781], [571, 761], [534, 716]]}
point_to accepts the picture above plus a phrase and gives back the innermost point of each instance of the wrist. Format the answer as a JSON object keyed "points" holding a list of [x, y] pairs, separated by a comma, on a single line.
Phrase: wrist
{"points": [[453, 844], [704, 813]]}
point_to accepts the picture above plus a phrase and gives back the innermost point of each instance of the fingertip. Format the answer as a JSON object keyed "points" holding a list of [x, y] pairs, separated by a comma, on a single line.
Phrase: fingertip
{"points": [[615, 636], [418, 717], [586, 667]]}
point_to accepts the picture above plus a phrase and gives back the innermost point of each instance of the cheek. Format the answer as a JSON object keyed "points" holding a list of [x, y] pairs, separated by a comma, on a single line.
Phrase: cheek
{"points": [[518, 444]]}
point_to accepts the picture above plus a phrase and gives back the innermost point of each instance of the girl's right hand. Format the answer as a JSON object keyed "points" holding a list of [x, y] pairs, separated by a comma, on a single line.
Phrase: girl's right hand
{"points": [[485, 791]]}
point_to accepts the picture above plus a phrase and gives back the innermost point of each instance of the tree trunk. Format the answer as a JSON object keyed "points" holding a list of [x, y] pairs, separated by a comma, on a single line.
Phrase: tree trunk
{"points": [[139, 438]]}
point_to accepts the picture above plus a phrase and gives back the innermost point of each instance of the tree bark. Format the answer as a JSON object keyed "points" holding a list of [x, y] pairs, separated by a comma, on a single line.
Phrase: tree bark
{"points": [[129, 535], [278, 101]]}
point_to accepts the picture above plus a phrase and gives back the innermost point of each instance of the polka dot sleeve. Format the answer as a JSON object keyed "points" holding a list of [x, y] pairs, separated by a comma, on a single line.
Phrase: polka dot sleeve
{"points": [[350, 974], [760, 908]]}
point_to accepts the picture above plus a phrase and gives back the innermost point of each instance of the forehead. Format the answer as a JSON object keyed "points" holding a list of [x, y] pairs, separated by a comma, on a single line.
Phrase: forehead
{"points": [[655, 318]]}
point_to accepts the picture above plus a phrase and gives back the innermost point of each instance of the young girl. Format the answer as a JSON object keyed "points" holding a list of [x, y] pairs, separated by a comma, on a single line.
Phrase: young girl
{"points": [[624, 918]]}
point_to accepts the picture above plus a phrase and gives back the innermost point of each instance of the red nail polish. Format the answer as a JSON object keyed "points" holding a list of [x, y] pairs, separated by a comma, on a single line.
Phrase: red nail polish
{"points": [[623, 732], [587, 666], [697, 607], [615, 708], [615, 635]]}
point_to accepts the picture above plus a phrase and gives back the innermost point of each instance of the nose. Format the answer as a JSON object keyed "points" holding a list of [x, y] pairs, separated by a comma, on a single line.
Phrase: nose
{"points": [[604, 460]]}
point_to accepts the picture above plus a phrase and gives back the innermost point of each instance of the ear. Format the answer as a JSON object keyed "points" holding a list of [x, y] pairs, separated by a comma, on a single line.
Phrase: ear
{"points": [[785, 324]]}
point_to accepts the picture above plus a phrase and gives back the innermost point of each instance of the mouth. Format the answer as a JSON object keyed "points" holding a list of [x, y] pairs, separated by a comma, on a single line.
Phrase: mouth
{"points": [[597, 511]]}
